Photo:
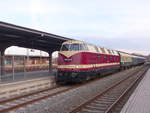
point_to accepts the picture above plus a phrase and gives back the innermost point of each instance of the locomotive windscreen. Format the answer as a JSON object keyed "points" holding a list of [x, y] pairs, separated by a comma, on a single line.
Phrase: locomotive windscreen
{"points": [[73, 47], [65, 47]]}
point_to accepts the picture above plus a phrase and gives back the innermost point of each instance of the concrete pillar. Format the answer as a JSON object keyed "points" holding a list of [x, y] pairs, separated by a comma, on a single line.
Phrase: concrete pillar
{"points": [[2, 62]]}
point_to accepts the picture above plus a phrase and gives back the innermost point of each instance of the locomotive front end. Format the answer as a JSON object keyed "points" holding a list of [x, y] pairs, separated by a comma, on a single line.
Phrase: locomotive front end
{"points": [[69, 61]]}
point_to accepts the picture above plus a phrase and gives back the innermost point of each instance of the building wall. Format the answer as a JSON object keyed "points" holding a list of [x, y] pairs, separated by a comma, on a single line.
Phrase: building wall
{"points": [[24, 63]]}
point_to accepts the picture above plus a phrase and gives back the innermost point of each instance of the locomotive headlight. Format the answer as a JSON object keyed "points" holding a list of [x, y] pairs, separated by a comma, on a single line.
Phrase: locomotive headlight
{"points": [[76, 66]]}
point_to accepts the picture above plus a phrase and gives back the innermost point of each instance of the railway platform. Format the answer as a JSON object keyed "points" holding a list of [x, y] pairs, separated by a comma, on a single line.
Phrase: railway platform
{"points": [[139, 100], [21, 83], [21, 76]]}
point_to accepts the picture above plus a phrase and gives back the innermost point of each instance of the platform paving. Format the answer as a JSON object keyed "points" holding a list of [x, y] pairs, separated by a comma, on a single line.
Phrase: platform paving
{"points": [[21, 76], [21, 84], [139, 102]]}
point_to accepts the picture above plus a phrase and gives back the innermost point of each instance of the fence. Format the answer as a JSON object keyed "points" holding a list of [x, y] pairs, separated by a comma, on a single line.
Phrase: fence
{"points": [[20, 66]]}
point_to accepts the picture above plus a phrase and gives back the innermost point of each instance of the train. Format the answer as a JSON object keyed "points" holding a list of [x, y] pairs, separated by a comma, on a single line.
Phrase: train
{"points": [[79, 61]]}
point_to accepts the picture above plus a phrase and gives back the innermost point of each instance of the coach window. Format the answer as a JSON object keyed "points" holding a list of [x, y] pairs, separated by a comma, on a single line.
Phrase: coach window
{"points": [[105, 58], [99, 57], [111, 58]]}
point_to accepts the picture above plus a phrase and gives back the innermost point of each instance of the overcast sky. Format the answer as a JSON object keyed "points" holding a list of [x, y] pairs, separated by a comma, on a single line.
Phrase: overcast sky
{"points": [[116, 24]]}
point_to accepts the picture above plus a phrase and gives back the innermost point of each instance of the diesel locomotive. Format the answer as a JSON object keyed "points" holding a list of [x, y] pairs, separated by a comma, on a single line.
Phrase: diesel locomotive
{"points": [[79, 61]]}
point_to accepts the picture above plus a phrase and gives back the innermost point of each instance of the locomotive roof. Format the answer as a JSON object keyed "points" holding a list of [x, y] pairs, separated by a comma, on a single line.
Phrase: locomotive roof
{"points": [[135, 56], [102, 49], [73, 41], [91, 46]]}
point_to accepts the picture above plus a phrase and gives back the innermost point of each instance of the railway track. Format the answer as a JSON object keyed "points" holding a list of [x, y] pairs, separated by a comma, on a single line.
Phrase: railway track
{"points": [[20, 101], [25, 99], [106, 101]]}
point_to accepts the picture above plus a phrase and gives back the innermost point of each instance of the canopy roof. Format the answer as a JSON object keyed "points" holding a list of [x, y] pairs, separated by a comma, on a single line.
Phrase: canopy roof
{"points": [[13, 35]]}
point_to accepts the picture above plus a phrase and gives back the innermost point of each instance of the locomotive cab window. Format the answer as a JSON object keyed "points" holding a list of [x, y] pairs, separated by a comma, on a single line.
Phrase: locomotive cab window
{"points": [[65, 47], [73, 47]]}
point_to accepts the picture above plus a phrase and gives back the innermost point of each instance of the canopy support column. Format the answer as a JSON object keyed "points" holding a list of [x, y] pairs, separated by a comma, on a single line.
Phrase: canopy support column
{"points": [[2, 62], [50, 61]]}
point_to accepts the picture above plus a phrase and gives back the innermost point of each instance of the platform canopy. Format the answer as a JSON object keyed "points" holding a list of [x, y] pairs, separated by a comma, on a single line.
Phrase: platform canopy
{"points": [[13, 35]]}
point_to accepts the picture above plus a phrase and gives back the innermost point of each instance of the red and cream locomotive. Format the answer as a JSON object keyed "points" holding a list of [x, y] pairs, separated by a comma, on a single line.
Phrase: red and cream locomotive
{"points": [[79, 61]]}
